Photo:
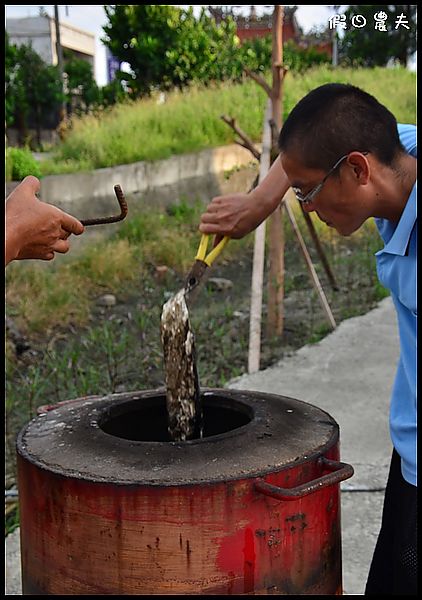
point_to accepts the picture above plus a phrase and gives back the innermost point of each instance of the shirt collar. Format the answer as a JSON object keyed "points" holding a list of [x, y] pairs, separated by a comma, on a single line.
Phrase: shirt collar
{"points": [[397, 240]]}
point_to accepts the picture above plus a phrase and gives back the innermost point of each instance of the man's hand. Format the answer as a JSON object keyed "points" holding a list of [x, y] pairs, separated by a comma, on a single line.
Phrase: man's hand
{"points": [[35, 229], [234, 215]]}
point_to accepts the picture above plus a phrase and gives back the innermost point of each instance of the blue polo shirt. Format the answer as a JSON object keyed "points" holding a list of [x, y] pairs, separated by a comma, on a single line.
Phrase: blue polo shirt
{"points": [[396, 267]]}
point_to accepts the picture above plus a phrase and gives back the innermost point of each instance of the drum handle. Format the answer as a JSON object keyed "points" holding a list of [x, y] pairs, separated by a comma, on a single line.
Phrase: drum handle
{"points": [[339, 471]]}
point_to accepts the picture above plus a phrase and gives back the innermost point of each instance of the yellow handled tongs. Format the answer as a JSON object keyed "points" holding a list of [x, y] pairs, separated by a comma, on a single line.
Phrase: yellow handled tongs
{"points": [[203, 261]]}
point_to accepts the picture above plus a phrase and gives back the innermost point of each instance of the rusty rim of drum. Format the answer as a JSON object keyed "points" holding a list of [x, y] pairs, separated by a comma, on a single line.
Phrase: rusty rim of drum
{"points": [[84, 439]]}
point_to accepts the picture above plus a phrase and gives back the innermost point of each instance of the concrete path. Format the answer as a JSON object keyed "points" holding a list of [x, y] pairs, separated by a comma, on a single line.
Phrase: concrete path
{"points": [[349, 374]]}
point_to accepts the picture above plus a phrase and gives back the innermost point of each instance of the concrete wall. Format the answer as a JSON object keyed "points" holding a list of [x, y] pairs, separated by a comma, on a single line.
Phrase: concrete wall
{"points": [[141, 176], [201, 174], [188, 177]]}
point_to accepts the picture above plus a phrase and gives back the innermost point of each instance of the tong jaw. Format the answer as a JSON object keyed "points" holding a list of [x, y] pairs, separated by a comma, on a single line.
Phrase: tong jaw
{"points": [[195, 275]]}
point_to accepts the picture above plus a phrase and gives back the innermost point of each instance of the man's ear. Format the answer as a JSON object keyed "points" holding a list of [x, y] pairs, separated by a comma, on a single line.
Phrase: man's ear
{"points": [[360, 167]]}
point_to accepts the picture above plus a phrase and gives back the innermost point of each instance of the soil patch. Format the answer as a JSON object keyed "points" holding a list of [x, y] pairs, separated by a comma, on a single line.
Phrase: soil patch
{"points": [[119, 349]]}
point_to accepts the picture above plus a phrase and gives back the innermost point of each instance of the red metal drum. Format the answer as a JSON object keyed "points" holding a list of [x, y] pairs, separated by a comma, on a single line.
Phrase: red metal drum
{"points": [[108, 505]]}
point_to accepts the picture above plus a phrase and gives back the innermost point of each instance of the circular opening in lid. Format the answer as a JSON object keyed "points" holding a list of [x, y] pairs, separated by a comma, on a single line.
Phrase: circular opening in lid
{"points": [[147, 421]]}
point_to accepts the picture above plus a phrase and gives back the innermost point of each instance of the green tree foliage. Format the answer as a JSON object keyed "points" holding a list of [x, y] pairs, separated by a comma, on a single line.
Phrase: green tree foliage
{"points": [[83, 92], [256, 54], [32, 89], [219, 47], [370, 47], [301, 59], [166, 46], [10, 63], [113, 92]]}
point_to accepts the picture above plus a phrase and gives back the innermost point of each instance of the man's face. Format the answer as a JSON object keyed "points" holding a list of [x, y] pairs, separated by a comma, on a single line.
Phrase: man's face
{"points": [[340, 201]]}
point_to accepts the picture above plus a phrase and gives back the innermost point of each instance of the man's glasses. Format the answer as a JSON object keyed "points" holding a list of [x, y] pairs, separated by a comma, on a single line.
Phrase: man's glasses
{"points": [[311, 195]]}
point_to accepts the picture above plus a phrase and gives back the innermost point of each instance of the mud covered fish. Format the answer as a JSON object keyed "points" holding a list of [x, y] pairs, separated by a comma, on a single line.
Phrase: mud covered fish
{"points": [[184, 408]]}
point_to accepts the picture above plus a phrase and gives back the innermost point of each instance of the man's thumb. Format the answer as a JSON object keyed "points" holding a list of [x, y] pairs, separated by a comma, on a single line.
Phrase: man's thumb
{"points": [[33, 183]]}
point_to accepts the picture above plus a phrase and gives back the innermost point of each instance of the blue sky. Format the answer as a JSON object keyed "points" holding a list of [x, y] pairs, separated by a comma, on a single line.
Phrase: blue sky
{"points": [[92, 17]]}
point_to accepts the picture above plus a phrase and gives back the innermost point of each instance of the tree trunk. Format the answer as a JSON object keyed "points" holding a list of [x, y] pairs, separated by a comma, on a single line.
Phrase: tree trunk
{"points": [[21, 127], [38, 125]]}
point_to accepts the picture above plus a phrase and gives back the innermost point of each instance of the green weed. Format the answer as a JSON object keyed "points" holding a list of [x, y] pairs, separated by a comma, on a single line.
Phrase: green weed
{"points": [[189, 121], [11, 519], [319, 333]]}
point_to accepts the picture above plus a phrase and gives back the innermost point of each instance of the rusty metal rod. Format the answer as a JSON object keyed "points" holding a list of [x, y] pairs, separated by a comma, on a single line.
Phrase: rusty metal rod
{"points": [[103, 220]]}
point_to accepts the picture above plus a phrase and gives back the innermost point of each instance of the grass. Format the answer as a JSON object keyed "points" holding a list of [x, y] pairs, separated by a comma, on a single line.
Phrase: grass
{"points": [[187, 122], [64, 289], [63, 294], [79, 348], [395, 88], [190, 121], [82, 348], [11, 517]]}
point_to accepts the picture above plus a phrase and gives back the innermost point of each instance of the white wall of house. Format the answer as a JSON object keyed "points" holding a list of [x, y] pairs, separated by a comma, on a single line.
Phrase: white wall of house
{"points": [[41, 33]]}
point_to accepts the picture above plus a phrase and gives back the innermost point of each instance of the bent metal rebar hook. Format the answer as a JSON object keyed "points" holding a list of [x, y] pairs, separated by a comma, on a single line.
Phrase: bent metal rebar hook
{"points": [[103, 220]]}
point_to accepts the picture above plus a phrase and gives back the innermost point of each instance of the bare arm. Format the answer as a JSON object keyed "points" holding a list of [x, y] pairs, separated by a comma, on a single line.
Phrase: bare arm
{"points": [[35, 229], [236, 215]]}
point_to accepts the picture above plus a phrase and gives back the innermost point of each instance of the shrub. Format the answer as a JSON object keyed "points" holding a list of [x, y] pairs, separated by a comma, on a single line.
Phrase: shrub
{"points": [[302, 59], [20, 163]]}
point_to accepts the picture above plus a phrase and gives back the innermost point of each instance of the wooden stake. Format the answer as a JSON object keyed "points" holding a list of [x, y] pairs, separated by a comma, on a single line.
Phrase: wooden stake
{"points": [[254, 353], [319, 249], [313, 274], [275, 315], [255, 326], [249, 145]]}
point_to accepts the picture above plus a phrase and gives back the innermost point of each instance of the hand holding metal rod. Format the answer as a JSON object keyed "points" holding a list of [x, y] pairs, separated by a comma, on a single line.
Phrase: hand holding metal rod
{"points": [[115, 219]]}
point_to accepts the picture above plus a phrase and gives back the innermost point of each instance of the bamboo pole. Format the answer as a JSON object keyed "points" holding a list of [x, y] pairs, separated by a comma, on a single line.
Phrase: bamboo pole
{"points": [[275, 315], [257, 301], [254, 353], [313, 274], [319, 249]]}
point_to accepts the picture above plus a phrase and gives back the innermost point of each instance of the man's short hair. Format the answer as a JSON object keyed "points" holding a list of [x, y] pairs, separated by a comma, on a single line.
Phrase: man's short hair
{"points": [[335, 119]]}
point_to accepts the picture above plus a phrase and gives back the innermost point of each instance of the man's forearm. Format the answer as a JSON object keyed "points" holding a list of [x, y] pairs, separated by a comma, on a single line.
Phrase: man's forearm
{"points": [[236, 215], [270, 191]]}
